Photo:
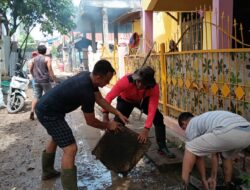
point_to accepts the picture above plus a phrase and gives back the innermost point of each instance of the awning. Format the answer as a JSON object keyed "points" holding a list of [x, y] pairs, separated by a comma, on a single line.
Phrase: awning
{"points": [[175, 5], [128, 17], [83, 43]]}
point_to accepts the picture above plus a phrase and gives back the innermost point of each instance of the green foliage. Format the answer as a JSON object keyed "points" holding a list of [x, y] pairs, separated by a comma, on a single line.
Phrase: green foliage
{"points": [[54, 51], [31, 44], [50, 14], [246, 180]]}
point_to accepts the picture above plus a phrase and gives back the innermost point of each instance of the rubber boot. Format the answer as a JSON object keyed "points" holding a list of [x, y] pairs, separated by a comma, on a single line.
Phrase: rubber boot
{"points": [[69, 179], [163, 150], [48, 160]]}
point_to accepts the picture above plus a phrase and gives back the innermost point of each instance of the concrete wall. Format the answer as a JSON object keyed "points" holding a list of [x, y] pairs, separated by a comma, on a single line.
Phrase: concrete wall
{"points": [[4, 54], [165, 28]]}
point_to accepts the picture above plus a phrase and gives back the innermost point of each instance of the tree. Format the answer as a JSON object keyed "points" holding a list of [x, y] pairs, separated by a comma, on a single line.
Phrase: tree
{"points": [[31, 44], [50, 14]]}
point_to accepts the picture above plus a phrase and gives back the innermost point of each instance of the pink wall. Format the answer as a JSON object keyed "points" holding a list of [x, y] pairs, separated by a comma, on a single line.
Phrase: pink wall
{"points": [[220, 6], [147, 29]]}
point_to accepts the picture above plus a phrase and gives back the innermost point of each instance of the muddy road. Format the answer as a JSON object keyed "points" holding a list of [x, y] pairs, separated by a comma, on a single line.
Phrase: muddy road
{"points": [[21, 144]]}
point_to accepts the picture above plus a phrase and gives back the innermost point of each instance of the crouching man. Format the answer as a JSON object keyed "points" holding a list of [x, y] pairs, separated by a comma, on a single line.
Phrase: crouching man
{"points": [[214, 132]]}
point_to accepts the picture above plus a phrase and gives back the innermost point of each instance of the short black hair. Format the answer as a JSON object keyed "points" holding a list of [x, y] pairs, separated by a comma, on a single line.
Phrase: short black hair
{"points": [[184, 116], [42, 49], [103, 67]]}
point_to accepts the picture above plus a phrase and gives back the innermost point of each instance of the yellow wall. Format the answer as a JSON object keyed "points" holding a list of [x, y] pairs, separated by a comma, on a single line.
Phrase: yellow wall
{"points": [[165, 28], [207, 31], [137, 27]]}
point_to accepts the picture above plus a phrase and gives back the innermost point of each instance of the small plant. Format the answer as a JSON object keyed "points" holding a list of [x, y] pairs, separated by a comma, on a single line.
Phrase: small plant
{"points": [[246, 180]]}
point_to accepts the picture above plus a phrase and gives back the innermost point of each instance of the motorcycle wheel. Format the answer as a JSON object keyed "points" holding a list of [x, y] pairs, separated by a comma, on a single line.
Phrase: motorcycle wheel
{"points": [[14, 106]]}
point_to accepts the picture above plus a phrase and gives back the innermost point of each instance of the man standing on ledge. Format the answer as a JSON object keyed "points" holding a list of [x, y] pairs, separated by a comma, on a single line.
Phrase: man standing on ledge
{"points": [[141, 91], [218, 133], [80, 90]]}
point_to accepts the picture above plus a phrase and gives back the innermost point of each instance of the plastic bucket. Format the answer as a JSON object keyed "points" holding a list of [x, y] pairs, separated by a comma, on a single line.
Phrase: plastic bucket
{"points": [[5, 86]]}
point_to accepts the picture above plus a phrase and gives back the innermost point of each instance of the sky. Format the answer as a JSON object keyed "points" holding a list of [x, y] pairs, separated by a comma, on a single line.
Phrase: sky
{"points": [[37, 35]]}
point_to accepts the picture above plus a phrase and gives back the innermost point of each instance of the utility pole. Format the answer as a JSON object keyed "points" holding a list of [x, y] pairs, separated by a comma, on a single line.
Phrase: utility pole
{"points": [[105, 26]]}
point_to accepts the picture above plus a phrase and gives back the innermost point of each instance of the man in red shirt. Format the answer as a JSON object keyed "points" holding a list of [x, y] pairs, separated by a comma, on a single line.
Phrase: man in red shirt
{"points": [[140, 90]]}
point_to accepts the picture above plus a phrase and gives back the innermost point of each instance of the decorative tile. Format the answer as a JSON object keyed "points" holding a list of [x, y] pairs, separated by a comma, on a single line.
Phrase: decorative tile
{"points": [[239, 92], [225, 90], [214, 88], [180, 83], [169, 80], [188, 83], [174, 81]]}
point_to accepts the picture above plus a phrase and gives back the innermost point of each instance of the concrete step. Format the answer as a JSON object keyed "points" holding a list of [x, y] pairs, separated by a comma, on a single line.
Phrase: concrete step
{"points": [[162, 162], [175, 141]]}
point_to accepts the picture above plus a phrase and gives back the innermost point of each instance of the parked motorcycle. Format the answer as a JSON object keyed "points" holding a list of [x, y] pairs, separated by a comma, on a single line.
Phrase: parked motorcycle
{"points": [[18, 85]]}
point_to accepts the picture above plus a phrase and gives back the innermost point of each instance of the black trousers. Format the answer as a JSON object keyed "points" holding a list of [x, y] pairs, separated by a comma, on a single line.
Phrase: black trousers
{"points": [[126, 108]]}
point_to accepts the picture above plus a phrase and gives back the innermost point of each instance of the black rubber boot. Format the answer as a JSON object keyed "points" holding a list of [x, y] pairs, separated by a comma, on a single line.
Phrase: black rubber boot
{"points": [[32, 116], [163, 150], [48, 160], [69, 179]]}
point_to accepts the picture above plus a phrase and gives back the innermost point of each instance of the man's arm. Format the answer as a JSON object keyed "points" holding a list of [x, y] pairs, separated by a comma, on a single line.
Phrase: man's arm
{"points": [[49, 65], [31, 66], [94, 122], [106, 106], [120, 86], [152, 107]]}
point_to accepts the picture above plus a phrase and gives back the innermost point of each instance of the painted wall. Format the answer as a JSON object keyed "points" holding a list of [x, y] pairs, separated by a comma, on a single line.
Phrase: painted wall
{"points": [[219, 6], [207, 31], [136, 27], [165, 28]]}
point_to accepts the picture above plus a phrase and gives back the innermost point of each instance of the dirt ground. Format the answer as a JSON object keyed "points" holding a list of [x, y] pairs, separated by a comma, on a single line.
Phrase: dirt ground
{"points": [[21, 144]]}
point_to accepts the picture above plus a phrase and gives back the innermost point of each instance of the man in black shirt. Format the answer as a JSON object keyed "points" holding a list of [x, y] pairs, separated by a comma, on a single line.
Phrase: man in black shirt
{"points": [[80, 90]]}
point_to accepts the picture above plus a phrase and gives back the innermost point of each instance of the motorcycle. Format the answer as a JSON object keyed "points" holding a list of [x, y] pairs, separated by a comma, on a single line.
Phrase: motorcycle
{"points": [[16, 95]]}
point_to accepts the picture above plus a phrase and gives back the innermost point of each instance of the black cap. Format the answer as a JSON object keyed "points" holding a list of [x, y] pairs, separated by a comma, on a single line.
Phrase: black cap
{"points": [[146, 76]]}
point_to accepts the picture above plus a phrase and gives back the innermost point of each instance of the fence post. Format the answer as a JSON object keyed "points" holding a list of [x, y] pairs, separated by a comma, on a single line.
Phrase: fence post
{"points": [[163, 78]]}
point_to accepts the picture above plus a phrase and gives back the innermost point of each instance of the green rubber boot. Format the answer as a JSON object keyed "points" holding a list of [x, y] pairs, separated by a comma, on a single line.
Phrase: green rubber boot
{"points": [[69, 179], [48, 160]]}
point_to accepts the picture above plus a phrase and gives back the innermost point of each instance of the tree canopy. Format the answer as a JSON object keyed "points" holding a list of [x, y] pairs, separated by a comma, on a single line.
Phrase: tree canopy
{"points": [[50, 14]]}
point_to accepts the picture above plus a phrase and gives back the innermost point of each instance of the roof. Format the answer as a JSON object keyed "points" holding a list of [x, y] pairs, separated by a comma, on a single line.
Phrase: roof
{"points": [[173, 5], [83, 43], [128, 17]]}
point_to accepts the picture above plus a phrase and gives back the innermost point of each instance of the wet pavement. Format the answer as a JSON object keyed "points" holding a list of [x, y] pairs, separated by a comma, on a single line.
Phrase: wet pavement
{"points": [[22, 142], [92, 174]]}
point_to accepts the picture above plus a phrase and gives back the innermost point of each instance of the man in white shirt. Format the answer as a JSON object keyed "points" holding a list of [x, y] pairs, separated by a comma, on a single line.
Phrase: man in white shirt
{"points": [[214, 132]]}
